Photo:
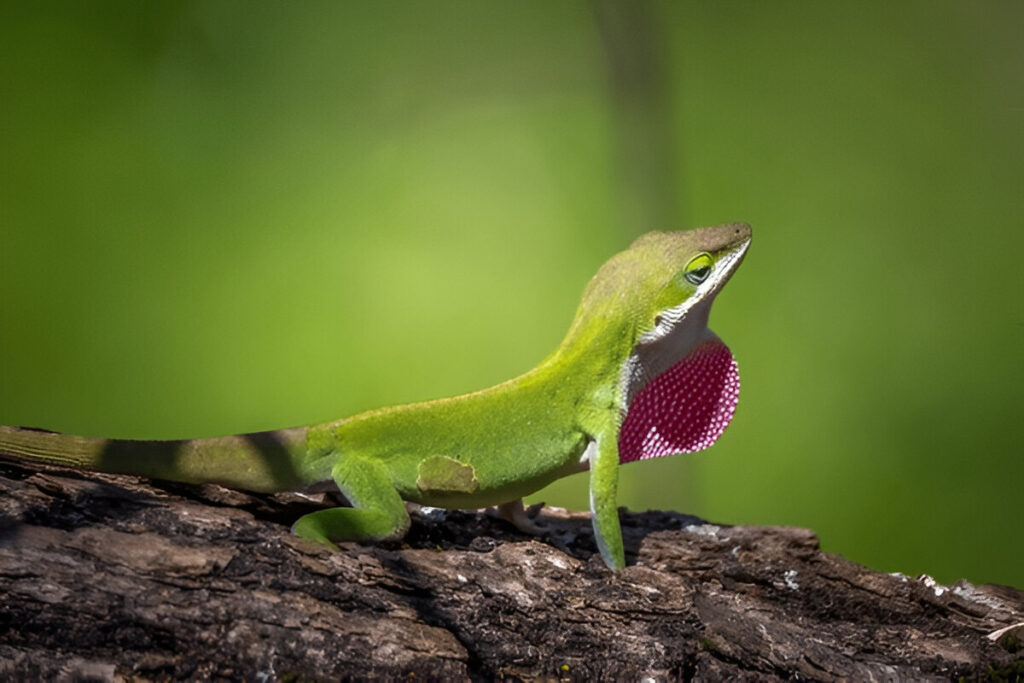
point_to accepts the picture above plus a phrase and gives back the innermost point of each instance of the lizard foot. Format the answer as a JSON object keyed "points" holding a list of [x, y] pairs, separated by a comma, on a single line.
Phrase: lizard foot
{"points": [[522, 518]]}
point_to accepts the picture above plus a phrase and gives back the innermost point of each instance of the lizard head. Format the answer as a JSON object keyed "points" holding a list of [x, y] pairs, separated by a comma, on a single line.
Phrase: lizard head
{"points": [[687, 270], [678, 385]]}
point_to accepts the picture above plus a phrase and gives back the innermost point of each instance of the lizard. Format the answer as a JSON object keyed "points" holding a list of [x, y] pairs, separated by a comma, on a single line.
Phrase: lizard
{"points": [[638, 375]]}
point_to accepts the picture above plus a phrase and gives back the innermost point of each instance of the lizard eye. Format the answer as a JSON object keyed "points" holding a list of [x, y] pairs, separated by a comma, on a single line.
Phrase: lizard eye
{"points": [[698, 269]]}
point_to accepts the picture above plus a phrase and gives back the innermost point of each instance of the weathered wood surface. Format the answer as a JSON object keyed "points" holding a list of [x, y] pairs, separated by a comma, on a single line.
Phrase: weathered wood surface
{"points": [[109, 577]]}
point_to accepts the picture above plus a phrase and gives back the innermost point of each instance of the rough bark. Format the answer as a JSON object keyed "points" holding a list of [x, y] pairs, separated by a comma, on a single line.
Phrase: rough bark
{"points": [[107, 577]]}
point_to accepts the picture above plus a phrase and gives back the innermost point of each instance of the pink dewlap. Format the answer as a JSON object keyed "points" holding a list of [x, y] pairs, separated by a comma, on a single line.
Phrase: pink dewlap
{"points": [[684, 409]]}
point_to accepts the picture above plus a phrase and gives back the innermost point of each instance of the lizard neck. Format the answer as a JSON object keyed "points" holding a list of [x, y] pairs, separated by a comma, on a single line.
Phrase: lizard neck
{"points": [[586, 366]]}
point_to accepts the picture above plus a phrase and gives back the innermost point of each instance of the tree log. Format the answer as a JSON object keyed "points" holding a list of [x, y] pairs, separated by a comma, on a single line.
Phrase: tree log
{"points": [[106, 577]]}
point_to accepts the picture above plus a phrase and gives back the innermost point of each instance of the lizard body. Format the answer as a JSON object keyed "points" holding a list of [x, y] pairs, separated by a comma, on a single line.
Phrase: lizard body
{"points": [[638, 375]]}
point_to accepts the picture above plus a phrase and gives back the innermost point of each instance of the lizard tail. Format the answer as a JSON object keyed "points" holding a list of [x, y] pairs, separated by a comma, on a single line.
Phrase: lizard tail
{"points": [[261, 461]]}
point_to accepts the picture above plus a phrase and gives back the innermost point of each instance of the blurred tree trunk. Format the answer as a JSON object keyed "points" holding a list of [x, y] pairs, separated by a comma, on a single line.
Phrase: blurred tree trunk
{"points": [[106, 577], [646, 154]]}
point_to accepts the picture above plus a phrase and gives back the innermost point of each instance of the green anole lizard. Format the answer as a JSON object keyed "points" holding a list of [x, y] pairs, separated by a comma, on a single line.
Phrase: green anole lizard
{"points": [[638, 375]]}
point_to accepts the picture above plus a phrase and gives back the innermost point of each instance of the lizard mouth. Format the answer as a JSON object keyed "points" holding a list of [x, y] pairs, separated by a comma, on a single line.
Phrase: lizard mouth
{"points": [[685, 408]]}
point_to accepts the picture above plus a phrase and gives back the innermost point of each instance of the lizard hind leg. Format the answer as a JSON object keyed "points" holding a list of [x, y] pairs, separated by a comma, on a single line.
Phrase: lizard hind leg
{"points": [[378, 512]]}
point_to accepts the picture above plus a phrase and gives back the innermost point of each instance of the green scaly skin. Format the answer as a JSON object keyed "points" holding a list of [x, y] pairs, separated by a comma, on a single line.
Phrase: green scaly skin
{"points": [[491, 447]]}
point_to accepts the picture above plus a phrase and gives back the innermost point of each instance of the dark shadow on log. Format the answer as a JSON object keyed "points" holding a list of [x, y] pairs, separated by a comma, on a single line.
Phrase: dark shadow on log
{"points": [[106, 576]]}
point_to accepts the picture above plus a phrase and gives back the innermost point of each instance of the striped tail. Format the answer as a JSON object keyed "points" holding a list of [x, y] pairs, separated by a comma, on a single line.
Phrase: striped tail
{"points": [[261, 461]]}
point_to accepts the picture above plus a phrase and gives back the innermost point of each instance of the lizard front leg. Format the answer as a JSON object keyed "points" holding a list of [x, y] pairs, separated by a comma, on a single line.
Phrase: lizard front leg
{"points": [[520, 517], [604, 513]]}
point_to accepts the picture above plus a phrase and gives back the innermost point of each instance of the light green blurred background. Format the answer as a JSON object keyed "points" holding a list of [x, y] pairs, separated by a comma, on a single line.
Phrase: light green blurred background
{"points": [[228, 216]]}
